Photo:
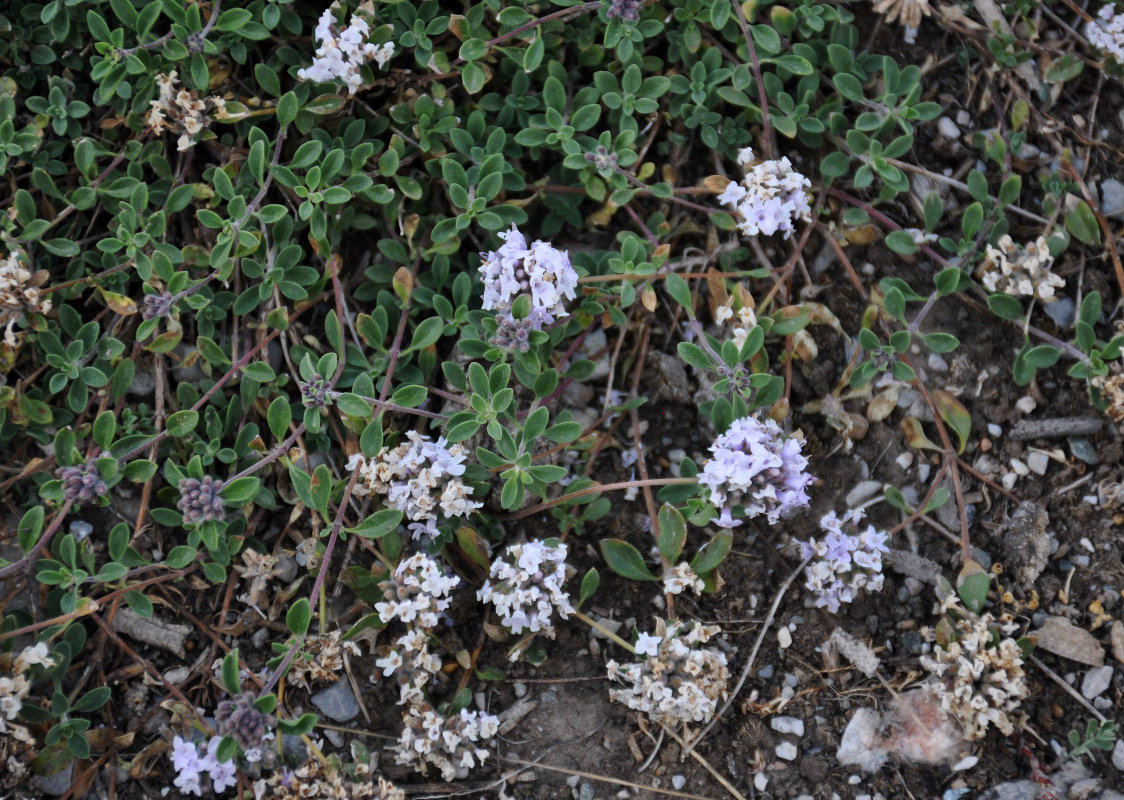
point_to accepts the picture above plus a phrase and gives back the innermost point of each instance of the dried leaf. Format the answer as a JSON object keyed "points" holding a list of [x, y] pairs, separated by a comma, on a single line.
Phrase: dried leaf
{"points": [[1061, 637], [883, 404], [715, 183], [954, 414], [861, 656], [648, 298], [862, 234], [915, 435], [118, 303]]}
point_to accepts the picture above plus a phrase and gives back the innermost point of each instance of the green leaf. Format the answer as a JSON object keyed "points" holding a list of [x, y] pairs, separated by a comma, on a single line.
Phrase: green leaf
{"points": [[710, 555], [625, 560], [140, 604], [279, 416], [1042, 356], [901, 243], [972, 585], [590, 582], [379, 524], [299, 617], [181, 423], [91, 700], [941, 342], [693, 355], [563, 432], [409, 396], [104, 427], [287, 108], [298, 727], [673, 532], [680, 292], [240, 490], [1082, 223], [179, 557], [230, 680], [1006, 307]]}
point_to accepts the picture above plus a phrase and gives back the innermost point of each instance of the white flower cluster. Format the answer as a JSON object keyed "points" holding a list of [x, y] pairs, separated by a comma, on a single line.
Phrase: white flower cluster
{"points": [[770, 198], [681, 577], [979, 682], [421, 478], [527, 587], [180, 110], [754, 465], [540, 270], [412, 664], [418, 592], [19, 292], [340, 56], [1016, 270], [321, 778], [191, 766], [844, 562], [742, 321], [678, 681], [15, 686], [1107, 33], [448, 743]]}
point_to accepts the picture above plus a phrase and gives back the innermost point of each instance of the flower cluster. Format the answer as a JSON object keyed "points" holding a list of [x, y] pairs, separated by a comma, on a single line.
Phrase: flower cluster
{"points": [[15, 686], [412, 663], [418, 592], [681, 577], [678, 681], [252, 729], [314, 392], [200, 500], [540, 270], [322, 778], [770, 198], [447, 742], [909, 12], [1016, 270], [81, 483], [180, 110], [191, 766], [754, 465], [843, 562], [340, 54], [19, 292], [421, 478], [1111, 388], [323, 659], [527, 587], [157, 305], [1107, 32], [742, 321], [976, 678]]}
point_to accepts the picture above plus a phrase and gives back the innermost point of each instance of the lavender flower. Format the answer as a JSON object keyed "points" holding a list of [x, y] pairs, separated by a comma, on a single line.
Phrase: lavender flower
{"points": [[238, 719], [200, 500], [81, 482], [526, 592], [843, 563], [769, 199], [540, 270], [157, 305], [1107, 32], [755, 466], [314, 392], [190, 767], [628, 10]]}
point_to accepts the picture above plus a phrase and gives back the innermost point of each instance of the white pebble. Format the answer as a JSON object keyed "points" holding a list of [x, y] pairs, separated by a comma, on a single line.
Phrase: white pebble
{"points": [[787, 751], [904, 460], [1087, 544], [790, 725], [948, 128], [678, 781], [760, 781], [1008, 481], [81, 529], [864, 490], [923, 469], [1026, 404], [1019, 467], [1096, 681], [994, 430], [854, 780], [965, 763], [1037, 461], [937, 363], [784, 638]]}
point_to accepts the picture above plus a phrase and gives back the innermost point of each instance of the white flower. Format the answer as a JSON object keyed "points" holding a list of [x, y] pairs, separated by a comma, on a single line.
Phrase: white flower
{"points": [[540, 271], [340, 57], [681, 577], [647, 644], [843, 563], [1023, 271], [180, 110], [1107, 32], [770, 198], [444, 742], [418, 592], [526, 593]]}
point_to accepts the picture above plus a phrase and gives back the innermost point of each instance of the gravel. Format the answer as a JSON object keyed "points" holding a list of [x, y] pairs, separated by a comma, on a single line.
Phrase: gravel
{"points": [[1096, 681]]}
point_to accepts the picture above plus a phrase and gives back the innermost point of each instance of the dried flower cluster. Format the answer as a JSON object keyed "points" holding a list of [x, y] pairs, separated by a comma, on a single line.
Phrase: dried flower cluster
{"points": [[200, 500], [421, 478], [975, 679], [447, 742], [1107, 32], [323, 779], [1024, 271], [540, 271], [681, 577], [908, 12], [755, 466], [157, 305], [418, 592], [769, 199], [19, 292], [341, 53], [1111, 388], [191, 767], [843, 562], [525, 586], [678, 681], [81, 483], [15, 686], [181, 111], [322, 660]]}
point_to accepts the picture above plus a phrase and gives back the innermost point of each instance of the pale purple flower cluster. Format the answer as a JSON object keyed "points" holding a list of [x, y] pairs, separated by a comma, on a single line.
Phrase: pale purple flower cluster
{"points": [[81, 482], [541, 270], [755, 466], [770, 198], [340, 56], [845, 561], [1108, 33], [200, 500], [191, 766], [418, 593], [448, 743], [527, 591]]}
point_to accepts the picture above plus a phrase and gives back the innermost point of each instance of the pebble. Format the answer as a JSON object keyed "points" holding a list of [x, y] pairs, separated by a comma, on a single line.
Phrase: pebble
{"points": [[286, 570], [765, 672], [787, 751], [863, 491], [1102, 703], [1019, 467], [142, 385], [293, 748], [1008, 480], [1026, 404], [1118, 755], [948, 128], [81, 529], [955, 794], [923, 469], [337, 701], [1082, 449], [1063, 312], [994, 430], [784, 638], [789, 725], [760, 781], [520, 689], [905, 460], [965, 763], [937, 363], [1112, 199], [56, 784], [678, 782], [1096, 681], [791, 680], [586, 791], [334, 736], [1037, 462]]}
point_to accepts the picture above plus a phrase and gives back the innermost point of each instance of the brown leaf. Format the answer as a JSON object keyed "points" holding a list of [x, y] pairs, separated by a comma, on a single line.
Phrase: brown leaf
{"points": [[1061, 637], [648, 298], [715, 183]]}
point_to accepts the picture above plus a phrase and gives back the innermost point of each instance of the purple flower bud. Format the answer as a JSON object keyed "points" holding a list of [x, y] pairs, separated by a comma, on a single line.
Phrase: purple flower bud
{"points": [[200, 500], [81, 483]]}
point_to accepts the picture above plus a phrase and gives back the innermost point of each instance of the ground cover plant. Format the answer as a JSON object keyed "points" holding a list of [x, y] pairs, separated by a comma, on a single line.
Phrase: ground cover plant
{"points": [[688, 398]]}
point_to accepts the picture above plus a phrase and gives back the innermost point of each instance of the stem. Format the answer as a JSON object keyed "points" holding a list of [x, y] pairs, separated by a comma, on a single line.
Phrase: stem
{"points": [[605, 487], [599, 627], [762, 98]]}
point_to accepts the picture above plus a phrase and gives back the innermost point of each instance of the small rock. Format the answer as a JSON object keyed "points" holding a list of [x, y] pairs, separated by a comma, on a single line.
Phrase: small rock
{"points": [[1062, 638], [760, 781], [1062, 311], [1037, 461], [286, 570], [937, 363], [948, 128], [143, 384], [678, 782], [586, 791], [1118, 755], [1102, 703], [56, 784], [1026, 404], [766, 671], [1116, 638], [520, 689], [1082, 449], [1096, 681], [814, 769], [1019, 467], [1112, 198], [293, 748], [994, 430], [787, 751], [784, 638], [790, 725], [334, 736], [863, 491], [337, 702], [965, 763]]}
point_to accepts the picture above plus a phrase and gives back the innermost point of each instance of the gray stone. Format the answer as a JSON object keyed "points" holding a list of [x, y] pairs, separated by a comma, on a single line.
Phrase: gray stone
{"points": [[56, 784], [790, 725], [1096, 681], [787, 751], [1118, 755], [142, 385], [1083, 449], [863, 491], [293, 748], [337, 702], [1062, 311], [1112, 198]]}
